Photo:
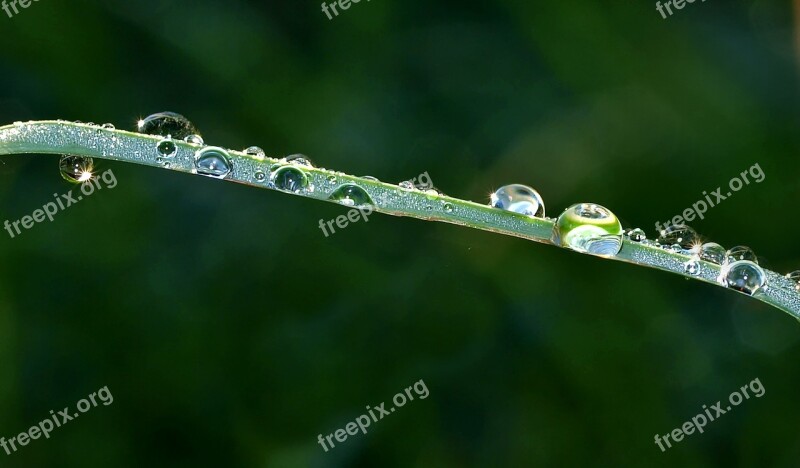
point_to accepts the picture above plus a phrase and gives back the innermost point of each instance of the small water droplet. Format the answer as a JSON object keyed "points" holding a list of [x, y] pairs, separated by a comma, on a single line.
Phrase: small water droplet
{"points": [[194, 139], [738, 253], [637, 235], [167, 148], [682, 235], [712, 252], [299, 159], [448, 207], [290, 179], [369, 177], [76, 169], [744, 276], [256, 152], [519, 199], [407, 185], [332, 179], [795, 278], [351, 195], [109, 126], [692, 266], [260, 176], [166, 124], [589, 228], [213, 162]]}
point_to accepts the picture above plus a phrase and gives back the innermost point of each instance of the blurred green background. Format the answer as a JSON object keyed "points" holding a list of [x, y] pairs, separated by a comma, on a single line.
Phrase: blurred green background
{"points": [[231, 332]]}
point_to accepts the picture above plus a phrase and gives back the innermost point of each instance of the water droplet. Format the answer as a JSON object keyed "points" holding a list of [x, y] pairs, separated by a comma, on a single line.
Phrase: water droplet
{"points": [[692, 266], [682, 235], [331, 179], [166, 124], [213, 161], [795, 278], [351, 195], [519, 199], [712, 252], [406, 184], [369, 177], [167, 148], [300, 159], [109, 126], [290, 179], [448, 207], [194, 139], [744, 276], [637, 235], [260, 176], [256, 152], [588, 228], [738, 253], [76, 169]]}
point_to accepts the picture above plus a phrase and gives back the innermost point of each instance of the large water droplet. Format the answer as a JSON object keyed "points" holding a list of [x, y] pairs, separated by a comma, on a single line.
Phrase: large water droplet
{"points": [[166, 124], [167, 148], [744, 276], [738, 253], [589, 228], [519, 199], [351, 195], [681, 235], [76, 169], [213, 161], [712, 252], [290, 179]]}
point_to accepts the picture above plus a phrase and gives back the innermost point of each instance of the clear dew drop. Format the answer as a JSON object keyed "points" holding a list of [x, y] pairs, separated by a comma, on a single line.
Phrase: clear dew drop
{"points": [[712, 252], [519, 199], [744, 276], [589, 228], [167, 124], [692, 266], [213, 162], [290, 179], [194, 139], [260, 176], [738, 253], [448, 208], [684, 236], [167, 148], [351, 195], [332, 179], [636, 235], [369, 177], [299, 159], [256, 152], [407, 185], [794, 277], [76, 169], [109, 126]]}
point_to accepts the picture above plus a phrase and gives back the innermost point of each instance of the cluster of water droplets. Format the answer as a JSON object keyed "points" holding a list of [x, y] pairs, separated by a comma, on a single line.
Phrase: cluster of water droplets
{"points": [[739, 269]]}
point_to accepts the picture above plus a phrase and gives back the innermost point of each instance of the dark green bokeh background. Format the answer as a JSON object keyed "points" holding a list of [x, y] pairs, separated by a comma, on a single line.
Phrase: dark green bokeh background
{"points": [[231, 332]]}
